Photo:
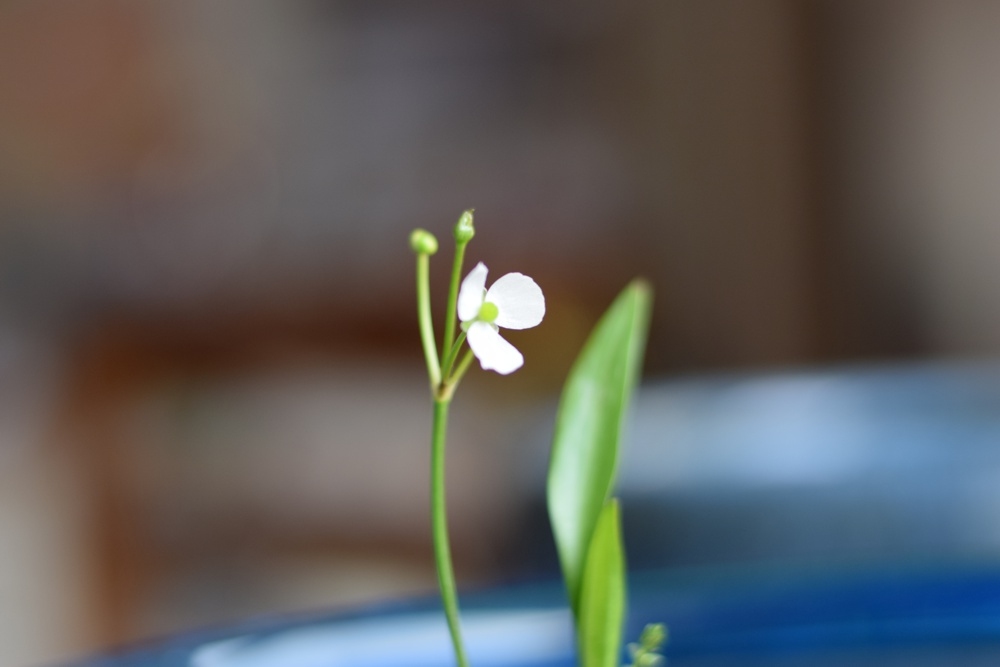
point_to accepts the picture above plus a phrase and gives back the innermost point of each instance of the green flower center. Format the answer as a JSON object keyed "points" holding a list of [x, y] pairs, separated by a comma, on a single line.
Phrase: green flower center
{"points": [[488, 312]]}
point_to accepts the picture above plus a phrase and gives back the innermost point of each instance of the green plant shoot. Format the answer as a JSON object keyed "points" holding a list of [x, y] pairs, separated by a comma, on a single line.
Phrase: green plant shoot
{"points": [[602, 592], [585, 519], [588, 429]]}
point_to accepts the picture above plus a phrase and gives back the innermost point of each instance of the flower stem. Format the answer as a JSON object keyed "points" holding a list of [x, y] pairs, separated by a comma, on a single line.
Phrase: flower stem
{"points": [[449, 361], [463, 366], [451, 313], [439, 521], [424, 317], [448, 386]]}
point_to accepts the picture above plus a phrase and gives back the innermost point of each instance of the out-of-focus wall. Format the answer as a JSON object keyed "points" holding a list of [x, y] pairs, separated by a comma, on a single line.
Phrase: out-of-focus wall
{"points": [[178, 161], [46, 550], [717, 113], [910, 101]]}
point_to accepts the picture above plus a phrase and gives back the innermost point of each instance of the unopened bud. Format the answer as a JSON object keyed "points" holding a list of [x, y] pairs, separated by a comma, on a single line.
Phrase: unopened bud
{"points": [[653, 636], [423, 242], [464, 231]]}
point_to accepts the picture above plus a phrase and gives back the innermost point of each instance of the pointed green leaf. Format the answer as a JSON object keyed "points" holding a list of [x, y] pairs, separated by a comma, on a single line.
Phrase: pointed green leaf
{"points": [[602, 593], [588, 429]]}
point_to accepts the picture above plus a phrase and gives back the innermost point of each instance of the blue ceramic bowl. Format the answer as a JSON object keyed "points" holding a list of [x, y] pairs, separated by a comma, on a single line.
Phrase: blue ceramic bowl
{"points": [[916, 618]]}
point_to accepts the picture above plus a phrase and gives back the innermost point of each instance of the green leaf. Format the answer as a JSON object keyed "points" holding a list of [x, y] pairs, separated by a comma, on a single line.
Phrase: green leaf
{"points": [[588, 429], [602, 594]]}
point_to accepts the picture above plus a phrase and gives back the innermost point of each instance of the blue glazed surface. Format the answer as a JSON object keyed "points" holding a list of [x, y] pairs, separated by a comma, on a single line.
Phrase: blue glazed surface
{"points": [[921, 617]]}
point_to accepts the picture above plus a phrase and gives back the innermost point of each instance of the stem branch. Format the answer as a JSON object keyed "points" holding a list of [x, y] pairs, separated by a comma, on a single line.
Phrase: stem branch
{"points": [[451, 314], [448, 386], [426, 323], [449, 361]]}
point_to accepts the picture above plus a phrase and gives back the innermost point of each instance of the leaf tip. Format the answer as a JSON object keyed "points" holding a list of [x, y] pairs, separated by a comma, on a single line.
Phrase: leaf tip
{"points": [[641, 290]]}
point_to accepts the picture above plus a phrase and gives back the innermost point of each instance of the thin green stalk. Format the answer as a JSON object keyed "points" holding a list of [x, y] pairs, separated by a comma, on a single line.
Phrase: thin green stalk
{"points": [[424, 317], [439, 526], [463, 366], [449, 361], [447, 389], [451, 314]]}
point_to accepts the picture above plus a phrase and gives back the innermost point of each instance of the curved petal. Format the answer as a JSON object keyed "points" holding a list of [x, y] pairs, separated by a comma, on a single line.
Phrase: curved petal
{"points": [[470, 295], [493, 352], [519, 300]]}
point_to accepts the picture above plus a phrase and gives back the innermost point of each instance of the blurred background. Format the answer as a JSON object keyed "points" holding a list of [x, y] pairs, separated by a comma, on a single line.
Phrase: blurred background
{"points": [[212, 401]]}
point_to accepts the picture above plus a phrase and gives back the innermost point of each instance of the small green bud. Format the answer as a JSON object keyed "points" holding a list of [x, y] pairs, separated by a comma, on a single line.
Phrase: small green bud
{"points": [[464, 230], [423, 242], [644, 653], [653, 636], [488, 312]]}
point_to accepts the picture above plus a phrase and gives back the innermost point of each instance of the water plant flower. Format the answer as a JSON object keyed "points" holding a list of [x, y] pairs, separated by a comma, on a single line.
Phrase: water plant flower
{"points": [[515, 301], [585, 518]]}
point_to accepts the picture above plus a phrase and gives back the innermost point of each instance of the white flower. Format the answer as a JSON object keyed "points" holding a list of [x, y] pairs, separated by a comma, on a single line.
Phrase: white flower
{"points": [[514, 301]]}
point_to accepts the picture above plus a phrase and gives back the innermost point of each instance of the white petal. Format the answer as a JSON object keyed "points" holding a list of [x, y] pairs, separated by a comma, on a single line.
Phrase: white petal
{"points": [[493, 352], [470, 295], [519, 300]]}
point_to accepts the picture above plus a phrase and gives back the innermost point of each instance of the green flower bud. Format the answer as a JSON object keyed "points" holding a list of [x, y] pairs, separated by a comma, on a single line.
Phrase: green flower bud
{"points": [[423, 242], [653, 636], [464, 231]]}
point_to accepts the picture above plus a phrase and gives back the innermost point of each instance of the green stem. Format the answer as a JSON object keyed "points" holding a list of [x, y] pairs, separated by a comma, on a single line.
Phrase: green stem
{"points": [[424, 317], [451, 315], [447, 388], [463, 366], [439, 521], [449, 361]]}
